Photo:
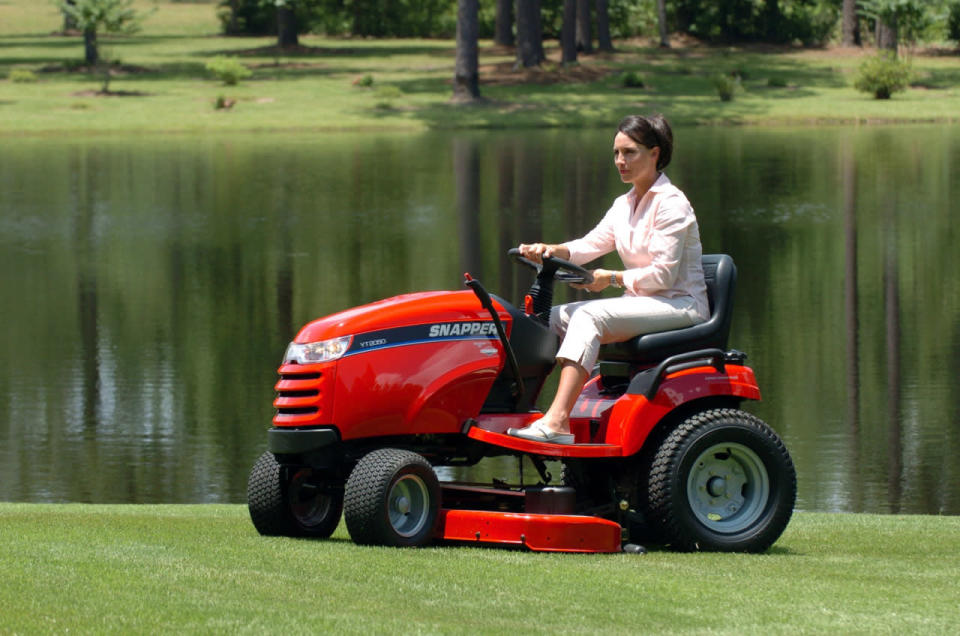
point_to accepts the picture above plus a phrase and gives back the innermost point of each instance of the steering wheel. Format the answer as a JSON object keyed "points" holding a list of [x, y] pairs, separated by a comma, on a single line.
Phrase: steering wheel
{"points": [[557, 268]]}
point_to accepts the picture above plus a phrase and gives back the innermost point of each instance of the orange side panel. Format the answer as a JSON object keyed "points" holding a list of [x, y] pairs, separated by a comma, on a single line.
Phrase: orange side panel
{"points": [[546, 533]]}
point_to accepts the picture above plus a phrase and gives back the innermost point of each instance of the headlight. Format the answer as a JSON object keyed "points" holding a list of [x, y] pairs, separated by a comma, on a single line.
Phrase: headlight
{"points": [[313, 352]]}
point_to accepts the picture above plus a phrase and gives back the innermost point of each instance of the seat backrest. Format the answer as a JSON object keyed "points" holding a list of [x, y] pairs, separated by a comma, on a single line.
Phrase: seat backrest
{"points": [[720, 274]]}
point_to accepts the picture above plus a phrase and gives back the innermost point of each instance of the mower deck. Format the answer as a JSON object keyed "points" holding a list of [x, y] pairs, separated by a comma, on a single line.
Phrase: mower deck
{"points": [[539, 532]]}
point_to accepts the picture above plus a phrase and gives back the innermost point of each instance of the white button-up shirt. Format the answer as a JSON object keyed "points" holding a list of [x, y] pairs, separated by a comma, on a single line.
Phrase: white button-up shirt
{"points": [[658, 239]]}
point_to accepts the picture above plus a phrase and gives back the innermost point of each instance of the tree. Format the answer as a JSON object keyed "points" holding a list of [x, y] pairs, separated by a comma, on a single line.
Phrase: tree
{"points": [[466, 85], [897, 19], [95, 16], [662, 23], [503, 23], [568, 37], [529, 34], [286, 24], [584, 31], [604, 42], [69, 23], [851, 24]]}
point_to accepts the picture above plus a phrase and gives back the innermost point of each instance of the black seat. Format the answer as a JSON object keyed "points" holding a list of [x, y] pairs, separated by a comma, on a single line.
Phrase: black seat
{"points": [[721, 278]]}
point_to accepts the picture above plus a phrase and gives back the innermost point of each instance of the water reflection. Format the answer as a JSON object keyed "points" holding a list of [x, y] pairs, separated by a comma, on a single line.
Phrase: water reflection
{"points": [[149, 288]]}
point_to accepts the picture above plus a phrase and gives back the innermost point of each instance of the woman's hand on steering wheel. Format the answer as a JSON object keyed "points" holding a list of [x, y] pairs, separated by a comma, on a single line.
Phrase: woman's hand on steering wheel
{"points": [[536, 251], [601, 280], [551, 265]]}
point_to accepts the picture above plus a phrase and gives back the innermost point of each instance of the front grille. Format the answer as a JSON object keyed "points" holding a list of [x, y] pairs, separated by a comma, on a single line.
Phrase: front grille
{"points": [[300, 395]]}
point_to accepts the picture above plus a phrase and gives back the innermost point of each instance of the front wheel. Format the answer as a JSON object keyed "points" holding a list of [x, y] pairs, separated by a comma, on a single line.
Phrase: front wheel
{"points": [[722, 480], [392, 498], [292, 501]]}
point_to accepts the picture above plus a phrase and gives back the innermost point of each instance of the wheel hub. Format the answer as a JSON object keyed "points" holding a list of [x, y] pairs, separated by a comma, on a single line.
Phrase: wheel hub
{"points": [[728, 487], [408, 505], [716, 486], [403, 505]]}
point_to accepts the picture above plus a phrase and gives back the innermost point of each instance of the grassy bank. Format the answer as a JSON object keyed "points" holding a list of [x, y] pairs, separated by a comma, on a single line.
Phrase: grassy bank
{"points": [[204, 569], [160, 83]]}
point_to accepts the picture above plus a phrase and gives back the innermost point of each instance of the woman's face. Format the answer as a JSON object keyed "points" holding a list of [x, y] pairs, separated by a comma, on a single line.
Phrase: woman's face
{"points": [[635, 162]]}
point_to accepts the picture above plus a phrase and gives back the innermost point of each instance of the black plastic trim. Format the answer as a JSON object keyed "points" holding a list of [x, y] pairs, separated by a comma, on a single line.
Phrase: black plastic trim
{"points": [[648, 382], [294, 441]]}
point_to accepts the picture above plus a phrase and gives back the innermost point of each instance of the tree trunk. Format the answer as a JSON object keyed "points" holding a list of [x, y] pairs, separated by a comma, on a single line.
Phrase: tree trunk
{"points": [[851, 24], [286, 28], [233, 28], [568, 38], [466, 85], [503, 23], [91, 53], [529, 34], [604, 42], [887, 36], [772, 18], [69, 22], [662, 23], [584, 31]]}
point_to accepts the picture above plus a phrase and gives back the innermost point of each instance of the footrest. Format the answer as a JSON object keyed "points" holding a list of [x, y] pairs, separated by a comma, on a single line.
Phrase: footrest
{"points": [[539, 532], [544, 448]]}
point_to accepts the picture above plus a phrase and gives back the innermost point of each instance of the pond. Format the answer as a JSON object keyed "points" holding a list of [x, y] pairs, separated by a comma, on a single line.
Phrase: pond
{"points": [[149, 287]]}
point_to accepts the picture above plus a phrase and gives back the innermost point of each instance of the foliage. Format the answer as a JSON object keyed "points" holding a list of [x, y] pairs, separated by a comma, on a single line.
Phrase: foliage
{"points": [[882, 75], [726, 85], [804, 21], [364, 81], [953, 21], [95, 16], [223, 103], [110, 16], [371, 18], [912, 18], [631, 79], [385, 96], [22, 76], [228, 70]]}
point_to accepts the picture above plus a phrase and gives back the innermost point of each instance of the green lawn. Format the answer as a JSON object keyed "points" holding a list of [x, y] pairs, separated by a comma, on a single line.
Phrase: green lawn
{"points": [[200, 569], [162, 75]]}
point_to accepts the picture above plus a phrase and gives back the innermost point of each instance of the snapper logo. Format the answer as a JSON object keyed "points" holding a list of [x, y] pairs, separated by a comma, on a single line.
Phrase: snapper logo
{"points": [[421, 334], [445, 330]]}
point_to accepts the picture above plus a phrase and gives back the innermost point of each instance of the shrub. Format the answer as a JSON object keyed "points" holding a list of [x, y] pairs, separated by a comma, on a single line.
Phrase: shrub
{"points": [[883, 75], [22, 76], [365, 81], [632, 79], [228, 70], [223, 103], [385, 96], [726, 85]]}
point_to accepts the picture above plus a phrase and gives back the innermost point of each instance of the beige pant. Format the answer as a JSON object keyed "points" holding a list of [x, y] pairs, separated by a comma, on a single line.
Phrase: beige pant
{"points": [[587, 324]]}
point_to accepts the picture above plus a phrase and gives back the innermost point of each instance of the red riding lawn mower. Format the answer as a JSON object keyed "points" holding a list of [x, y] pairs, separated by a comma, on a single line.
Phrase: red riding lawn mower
{"points": [[372, 399]]}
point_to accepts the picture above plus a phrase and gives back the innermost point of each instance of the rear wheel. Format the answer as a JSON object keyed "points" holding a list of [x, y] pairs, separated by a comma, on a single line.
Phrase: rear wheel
{"points": [[392, 498], [292, 501], [722, 480]]}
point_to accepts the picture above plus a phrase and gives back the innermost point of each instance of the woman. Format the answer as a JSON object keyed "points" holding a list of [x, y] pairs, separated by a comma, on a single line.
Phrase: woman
{"points": [[655, 232]]}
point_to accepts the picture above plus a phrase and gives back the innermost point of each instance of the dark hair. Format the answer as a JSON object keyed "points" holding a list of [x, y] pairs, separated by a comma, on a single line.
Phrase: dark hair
{"points": [[652, 131]]}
